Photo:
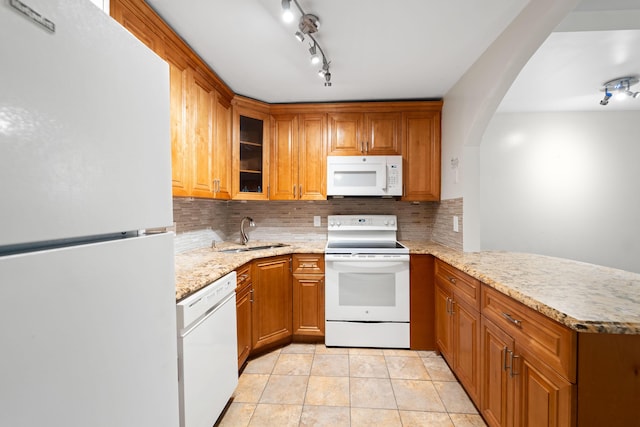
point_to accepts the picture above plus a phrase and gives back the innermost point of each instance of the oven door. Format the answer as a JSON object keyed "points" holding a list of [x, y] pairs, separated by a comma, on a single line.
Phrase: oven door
{"points": [[367, 288]]}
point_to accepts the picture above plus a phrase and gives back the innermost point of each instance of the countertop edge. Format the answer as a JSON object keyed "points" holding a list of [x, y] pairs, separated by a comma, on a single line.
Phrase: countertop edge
{"points": [[219, 264]]}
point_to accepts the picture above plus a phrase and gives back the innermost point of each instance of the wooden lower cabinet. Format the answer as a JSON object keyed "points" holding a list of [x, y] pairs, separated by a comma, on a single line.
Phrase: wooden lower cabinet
{"points": [[458, 325], [518, 389], [272, 301], [422, 312], [244, 302], [308, 297], [542, 396], [497, 390]]}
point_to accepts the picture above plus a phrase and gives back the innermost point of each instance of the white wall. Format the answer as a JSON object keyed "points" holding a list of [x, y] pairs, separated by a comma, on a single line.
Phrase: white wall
{"points": [[563, 184], [470, 104]]}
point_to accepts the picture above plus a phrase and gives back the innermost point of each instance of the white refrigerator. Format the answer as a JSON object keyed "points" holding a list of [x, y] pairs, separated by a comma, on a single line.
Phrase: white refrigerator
{"points": [[87, 316]]}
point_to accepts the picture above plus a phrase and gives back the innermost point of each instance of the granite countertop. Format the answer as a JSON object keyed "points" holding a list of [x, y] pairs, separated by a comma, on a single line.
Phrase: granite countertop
{"points": [[584, 297], [197, 268]]}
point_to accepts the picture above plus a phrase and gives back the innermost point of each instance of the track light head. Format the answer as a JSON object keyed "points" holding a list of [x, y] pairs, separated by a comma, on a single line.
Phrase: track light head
{"points": [[287, 14], [605, 100], [313, 50], [327, 79], [299, 36]]}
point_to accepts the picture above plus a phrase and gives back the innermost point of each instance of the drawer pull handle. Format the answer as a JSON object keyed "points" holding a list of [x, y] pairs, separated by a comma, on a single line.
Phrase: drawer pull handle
{"points": [[516, 322], [251, 297], [452, 279]]}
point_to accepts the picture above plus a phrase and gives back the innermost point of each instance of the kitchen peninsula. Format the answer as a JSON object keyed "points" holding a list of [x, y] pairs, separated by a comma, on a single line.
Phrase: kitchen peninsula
{"points": [[571, 330]]}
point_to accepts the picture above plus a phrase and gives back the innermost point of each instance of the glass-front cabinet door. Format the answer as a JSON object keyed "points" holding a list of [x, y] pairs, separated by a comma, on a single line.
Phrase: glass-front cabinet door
{"points": [[250, 154]]}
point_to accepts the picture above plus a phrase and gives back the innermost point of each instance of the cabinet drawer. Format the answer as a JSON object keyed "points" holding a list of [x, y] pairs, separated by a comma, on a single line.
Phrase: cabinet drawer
{"points": [[547, 340], [466, 288], [308, 263], [244, 276]]}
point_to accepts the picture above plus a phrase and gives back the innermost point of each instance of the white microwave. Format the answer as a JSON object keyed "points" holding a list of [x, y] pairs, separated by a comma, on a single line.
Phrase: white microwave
{"points": [[364, 175]]}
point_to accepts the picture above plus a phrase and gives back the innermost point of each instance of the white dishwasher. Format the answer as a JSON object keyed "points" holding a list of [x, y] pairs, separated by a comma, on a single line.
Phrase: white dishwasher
{"points": [[207, 352]]}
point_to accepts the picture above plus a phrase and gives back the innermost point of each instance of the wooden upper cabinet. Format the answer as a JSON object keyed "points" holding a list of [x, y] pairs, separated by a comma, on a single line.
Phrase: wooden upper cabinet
{"points": [[200, 133], [250, 155], [283, 176], [136, 22], [312, 157], [421, 155], [382, 133], [221, 162], [298, 157], [357, 134], [199, 102], [180, 148], [345, 134]]}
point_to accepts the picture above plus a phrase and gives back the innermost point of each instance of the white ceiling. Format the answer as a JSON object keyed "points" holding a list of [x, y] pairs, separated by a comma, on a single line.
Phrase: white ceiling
{"points": [[598, 42], [379, 49], [407, 49]]}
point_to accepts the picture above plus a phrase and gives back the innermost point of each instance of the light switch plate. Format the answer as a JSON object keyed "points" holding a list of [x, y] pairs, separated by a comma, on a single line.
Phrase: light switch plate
{"points": [[456, 224], [316, 221]]}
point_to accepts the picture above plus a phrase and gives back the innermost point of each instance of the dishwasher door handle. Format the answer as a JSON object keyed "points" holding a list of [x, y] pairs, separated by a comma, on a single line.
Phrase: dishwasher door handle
{"points": [[186, 331]]}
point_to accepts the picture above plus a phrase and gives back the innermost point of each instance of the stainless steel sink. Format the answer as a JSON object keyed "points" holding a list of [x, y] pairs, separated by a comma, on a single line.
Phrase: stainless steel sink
{"points": [[253, 248]]}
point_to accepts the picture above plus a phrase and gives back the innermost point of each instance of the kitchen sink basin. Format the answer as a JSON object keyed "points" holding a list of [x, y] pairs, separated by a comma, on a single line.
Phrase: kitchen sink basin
{"points": [[253, 248]]}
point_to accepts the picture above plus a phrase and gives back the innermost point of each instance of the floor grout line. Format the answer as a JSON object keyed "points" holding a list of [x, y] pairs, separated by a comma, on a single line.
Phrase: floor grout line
{"points": [[305, 408]]}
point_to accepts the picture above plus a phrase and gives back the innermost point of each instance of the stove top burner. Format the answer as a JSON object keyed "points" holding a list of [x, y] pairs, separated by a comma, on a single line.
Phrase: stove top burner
{"points": [[356, 234]]}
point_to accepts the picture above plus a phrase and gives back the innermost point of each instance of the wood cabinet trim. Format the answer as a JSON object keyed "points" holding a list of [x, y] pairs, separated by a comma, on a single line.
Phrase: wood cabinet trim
{"points": [[156, 24]]}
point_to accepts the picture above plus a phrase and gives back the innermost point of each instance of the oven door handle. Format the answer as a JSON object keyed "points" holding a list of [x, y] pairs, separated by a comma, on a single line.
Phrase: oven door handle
{"points": [[341, 259], [367, 266]]}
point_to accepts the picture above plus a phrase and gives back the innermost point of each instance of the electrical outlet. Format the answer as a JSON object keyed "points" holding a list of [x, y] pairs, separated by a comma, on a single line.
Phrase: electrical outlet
{"points": [[456, 225], [316, 221]]}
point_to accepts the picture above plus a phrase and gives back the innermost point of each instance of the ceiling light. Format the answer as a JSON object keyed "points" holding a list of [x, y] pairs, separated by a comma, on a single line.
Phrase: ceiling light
{"points": [[308, 25], [315, 58], [620, 87], [287, 15], [324, 70]]}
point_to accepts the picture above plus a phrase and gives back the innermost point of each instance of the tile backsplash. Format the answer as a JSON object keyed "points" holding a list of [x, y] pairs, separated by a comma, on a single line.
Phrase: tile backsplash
{"points": [[199, 221]]}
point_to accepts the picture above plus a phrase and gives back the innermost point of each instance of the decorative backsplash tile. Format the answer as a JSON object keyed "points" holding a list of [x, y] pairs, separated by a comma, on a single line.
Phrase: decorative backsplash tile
{"points": [[199, 221]]}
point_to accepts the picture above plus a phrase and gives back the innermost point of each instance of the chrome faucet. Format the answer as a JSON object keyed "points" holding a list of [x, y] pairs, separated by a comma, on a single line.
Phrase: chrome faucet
{"points": [[243, 234]]}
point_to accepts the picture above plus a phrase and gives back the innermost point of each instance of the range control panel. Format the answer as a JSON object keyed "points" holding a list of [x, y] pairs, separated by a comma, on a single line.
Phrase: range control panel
{"points": [[362, 222]]}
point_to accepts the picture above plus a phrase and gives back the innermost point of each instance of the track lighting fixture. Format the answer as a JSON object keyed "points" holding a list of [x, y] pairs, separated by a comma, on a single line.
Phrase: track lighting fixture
{"points": [[621, 87], [308, 25]]}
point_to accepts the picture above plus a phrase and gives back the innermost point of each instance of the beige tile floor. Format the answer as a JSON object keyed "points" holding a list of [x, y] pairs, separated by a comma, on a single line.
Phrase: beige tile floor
{"points": [[312, 385]]}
